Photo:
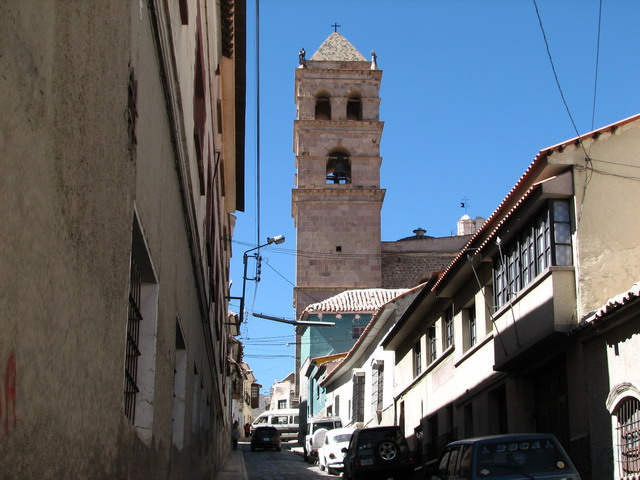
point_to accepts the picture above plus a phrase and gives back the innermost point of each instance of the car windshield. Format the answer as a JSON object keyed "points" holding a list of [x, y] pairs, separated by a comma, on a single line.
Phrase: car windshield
{"points": [[535, 455]]}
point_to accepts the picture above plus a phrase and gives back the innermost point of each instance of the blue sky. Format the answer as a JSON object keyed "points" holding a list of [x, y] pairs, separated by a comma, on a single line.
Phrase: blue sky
{"points": [[468, 98]]}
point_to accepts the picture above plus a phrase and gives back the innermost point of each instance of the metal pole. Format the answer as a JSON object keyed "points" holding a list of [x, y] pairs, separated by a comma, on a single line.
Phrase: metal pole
{"points": [[244, 286]]}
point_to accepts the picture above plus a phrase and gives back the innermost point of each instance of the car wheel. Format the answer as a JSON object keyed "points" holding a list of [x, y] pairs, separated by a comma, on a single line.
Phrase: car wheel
{"points": [[387, 451], [305, 457]]}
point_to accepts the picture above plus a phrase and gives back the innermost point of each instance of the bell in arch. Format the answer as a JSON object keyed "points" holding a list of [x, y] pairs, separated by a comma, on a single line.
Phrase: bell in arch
{"points": [[339, 170]]}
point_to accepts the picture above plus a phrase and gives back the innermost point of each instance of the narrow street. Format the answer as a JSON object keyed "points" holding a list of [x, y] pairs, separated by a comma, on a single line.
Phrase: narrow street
{"points": [[283, 465]]}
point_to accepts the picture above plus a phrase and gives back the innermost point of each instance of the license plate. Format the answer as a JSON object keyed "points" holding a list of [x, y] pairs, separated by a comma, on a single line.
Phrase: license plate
{"points": [[366, 461], [265, 439]]}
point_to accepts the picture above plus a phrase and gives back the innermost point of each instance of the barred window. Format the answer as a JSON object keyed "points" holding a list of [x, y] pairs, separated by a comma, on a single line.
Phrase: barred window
{"points": [[357, 414], [433, 353], [377, 386], [628, 435], [140, 347], [133, 339], [472, 330], [417, 359], [448, 327], [544, 242]]}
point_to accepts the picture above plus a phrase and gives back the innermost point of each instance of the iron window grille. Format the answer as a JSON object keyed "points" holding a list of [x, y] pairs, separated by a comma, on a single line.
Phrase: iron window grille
{"points": [[417, 359], [433, 352], [133, 341], [473, 335], [377, 386], [448, 327], [628, 435], [358, 399]]}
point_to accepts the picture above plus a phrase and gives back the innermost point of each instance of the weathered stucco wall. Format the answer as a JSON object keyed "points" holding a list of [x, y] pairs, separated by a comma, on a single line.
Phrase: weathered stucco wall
{"points": [[66, 205], [71, 182]]}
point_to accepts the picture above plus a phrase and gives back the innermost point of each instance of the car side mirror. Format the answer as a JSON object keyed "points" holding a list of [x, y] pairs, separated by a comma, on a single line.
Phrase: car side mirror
{"points": [[344, 450]]}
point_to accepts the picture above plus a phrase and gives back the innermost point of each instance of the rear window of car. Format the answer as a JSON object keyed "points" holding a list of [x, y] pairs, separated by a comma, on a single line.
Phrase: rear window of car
{"points": [[325, 425], [345, 437], [374, 436], [522, 456]]}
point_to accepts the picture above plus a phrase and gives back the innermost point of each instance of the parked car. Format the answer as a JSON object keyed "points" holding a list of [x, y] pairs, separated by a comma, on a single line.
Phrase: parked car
{"points": [[378, 453], [330, 454], [265, 437], [505, 457], [315, 435]]}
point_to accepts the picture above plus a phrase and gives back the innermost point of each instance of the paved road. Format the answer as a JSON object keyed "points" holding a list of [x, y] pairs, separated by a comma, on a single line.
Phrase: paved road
{"points": [[284, 465]]}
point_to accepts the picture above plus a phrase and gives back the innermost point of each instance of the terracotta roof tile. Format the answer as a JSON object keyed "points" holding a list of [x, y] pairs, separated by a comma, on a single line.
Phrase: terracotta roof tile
{"points": [[618, 301], [355, 301]]}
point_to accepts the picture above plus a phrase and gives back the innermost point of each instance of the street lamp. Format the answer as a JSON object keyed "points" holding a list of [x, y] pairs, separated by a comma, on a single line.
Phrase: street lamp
{"points": [[270, 240], [302, 323]]}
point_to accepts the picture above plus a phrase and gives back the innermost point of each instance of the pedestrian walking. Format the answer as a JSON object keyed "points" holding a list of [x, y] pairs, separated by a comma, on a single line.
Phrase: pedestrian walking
{"points": [[247, 430], [235, 435]]}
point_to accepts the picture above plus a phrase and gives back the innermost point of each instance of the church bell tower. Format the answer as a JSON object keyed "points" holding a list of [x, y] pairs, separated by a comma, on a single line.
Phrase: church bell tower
{"points": [[337, 199]]}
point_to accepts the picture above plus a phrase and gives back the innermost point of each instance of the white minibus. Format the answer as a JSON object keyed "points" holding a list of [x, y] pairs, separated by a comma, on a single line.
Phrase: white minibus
{"points": [[285, 420]]}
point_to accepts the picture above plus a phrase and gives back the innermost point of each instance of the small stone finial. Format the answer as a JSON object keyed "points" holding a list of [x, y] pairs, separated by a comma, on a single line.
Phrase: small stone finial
{"points": [[374, 60], [302, 61], [419, 232]]}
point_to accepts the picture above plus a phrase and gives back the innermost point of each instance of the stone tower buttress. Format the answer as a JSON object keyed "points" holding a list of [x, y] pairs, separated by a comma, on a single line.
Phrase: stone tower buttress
{"points": [[337, 199]]}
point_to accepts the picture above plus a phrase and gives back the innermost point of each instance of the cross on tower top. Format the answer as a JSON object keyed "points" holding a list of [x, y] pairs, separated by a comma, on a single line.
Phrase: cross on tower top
{"points": [[335, 27]]}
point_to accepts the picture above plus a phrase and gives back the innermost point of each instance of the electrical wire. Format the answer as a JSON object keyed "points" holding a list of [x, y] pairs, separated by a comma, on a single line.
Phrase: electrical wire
{"points": [[595, 83], [555, 75]]}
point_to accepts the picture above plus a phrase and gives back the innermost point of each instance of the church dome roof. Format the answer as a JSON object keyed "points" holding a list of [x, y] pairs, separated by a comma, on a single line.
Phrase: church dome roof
{"points": [[337, 48]]}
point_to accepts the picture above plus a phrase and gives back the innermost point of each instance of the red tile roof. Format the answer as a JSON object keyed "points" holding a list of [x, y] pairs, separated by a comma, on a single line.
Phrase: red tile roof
{"points": [[355, 301]]}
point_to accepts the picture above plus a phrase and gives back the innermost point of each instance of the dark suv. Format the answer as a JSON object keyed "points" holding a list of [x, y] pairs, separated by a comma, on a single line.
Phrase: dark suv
{"points": [[379, 452], [265, 437]]}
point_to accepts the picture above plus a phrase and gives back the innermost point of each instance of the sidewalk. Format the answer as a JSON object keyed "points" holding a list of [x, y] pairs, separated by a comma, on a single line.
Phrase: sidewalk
{"points": [[233, 468]]}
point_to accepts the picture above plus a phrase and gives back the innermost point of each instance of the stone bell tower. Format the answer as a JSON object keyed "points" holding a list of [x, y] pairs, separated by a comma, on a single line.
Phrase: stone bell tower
{"points": [[337, 199]]}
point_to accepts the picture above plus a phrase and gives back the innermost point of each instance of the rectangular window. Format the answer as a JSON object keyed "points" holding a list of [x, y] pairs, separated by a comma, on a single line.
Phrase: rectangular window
{"points": [[472, 329], [356, 332], [141, 332], [417, 359], [282, 404], [448, 327], [544, 242], [377, 386], [357, 414], [133, 340], [433, 353]]}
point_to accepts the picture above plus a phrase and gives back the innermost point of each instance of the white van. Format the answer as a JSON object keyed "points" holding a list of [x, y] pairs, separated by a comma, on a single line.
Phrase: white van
{"points": [[285, 420]]}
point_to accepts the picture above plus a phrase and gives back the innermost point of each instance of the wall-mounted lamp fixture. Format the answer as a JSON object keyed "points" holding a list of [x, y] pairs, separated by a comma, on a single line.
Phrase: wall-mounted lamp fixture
{"points": [[277, 240]]}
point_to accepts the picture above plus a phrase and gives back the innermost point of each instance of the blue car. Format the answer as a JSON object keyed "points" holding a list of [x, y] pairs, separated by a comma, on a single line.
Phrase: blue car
{"points": [[505, 457]]}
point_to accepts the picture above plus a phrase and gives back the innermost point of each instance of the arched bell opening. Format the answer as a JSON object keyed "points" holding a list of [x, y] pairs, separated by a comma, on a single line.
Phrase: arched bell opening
{"points": [[323, 108], [354, 108], [338, 168]]}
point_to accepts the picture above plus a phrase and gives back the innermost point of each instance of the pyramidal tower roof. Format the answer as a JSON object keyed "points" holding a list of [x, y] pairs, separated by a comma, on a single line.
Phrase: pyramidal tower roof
{"points": [[336, 48]]}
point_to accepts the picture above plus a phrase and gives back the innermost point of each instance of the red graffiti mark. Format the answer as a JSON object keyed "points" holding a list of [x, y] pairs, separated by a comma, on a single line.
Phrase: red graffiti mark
{"points": [[10, 392]]}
